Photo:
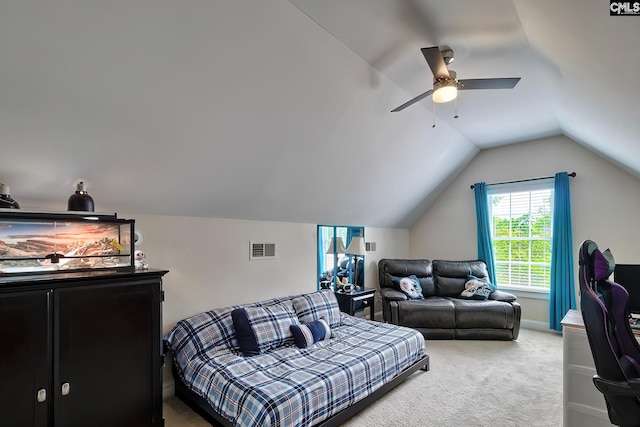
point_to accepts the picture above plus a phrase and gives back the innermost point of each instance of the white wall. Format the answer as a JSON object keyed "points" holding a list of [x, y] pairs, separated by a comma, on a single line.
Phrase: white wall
{"points": [[390, 243], [605, 201], [209, 266]]}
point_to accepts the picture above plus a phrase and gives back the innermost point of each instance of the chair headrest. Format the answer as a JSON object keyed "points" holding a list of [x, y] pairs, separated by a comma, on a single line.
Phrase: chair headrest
{"points": [[603, 264]]}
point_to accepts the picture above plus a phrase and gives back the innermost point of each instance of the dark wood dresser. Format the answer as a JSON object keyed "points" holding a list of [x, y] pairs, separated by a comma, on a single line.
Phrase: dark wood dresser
{"points": [[81, 349]]}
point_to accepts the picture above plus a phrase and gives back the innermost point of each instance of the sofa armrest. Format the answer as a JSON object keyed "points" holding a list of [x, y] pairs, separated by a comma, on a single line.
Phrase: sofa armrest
{"points": [[517, 312], [390, 299], [499, 295], [393, 295]]}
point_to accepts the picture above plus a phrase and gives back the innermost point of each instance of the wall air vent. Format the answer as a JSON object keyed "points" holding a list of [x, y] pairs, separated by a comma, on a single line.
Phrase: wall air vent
{"points": [[262, 250], [370, 246]]}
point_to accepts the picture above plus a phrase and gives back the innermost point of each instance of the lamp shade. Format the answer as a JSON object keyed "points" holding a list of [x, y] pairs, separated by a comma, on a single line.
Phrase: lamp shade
{"points": [[357, 246], [80, 200], [336, 246], [5, 199]]}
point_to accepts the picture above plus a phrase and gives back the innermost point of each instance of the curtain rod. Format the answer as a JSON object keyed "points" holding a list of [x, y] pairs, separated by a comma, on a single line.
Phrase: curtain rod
{"points": [[572, 174]]}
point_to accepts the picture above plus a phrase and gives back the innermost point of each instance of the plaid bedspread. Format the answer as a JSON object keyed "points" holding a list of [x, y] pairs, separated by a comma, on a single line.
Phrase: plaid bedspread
{"points": [[289, 386]]}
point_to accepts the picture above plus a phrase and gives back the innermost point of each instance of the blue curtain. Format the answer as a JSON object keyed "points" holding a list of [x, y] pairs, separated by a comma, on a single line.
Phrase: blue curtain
{"points": [[485, 248], [562, 297]]}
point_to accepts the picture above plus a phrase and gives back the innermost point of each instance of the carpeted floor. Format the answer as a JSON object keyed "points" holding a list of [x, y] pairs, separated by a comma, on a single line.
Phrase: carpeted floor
{"points": [[471, 383], [479, 383]]}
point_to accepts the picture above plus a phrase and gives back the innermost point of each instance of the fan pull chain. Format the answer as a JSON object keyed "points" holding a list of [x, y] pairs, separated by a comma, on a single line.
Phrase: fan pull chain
{"points": [[434, 115], [455, 101]]}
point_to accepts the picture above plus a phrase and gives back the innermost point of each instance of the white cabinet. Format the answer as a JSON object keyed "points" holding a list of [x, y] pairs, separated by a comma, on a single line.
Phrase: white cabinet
{"points": [[583, 404]]}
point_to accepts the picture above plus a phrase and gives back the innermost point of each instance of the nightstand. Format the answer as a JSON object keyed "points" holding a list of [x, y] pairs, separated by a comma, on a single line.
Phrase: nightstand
{"points": [[354, 301]]}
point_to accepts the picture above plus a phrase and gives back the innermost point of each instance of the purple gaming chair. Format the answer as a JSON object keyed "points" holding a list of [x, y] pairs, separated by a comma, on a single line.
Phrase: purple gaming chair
{"points": [[615, 351]]}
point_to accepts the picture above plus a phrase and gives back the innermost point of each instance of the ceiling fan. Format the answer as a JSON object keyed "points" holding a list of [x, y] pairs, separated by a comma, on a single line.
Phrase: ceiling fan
{"points": [[445, 81]]}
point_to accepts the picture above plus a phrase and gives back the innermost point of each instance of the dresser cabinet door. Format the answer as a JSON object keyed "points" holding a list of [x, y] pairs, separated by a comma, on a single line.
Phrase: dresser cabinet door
{"points": [[107, 353], [24, 359]]}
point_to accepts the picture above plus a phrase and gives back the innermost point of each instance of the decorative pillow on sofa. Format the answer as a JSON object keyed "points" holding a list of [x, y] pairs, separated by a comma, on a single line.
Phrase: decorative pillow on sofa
{"points": [[310, 333], [410, 286], [268, 324], [316, 305], [475, 288]]}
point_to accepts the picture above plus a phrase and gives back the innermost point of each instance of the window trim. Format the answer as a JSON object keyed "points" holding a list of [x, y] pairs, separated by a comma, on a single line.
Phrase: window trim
{"points": [[519, 292]]}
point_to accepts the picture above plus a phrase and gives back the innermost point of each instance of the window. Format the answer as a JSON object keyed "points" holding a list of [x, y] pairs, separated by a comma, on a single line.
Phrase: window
{"points": [[521, 229]]}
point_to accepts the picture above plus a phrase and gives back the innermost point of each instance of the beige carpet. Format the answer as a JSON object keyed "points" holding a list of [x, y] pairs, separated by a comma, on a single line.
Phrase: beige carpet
{"points": [[479, 383], [471, 383]]}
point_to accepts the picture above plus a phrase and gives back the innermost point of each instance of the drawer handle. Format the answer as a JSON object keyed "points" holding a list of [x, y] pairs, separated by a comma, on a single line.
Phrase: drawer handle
{"points": [[41, 396], [66, 389]]}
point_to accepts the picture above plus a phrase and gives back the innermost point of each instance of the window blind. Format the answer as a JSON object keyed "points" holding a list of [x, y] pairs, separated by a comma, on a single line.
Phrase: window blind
{"points": [[521, 224]]}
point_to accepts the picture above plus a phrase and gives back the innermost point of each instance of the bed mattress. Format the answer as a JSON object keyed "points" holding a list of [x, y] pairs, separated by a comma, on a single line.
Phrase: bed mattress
{"points": [[291, 386]]}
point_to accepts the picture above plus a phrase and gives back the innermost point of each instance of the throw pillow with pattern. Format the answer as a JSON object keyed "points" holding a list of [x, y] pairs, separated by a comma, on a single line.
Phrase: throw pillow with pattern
{"points": [[475, 288], [410, 286], [310, 333]]}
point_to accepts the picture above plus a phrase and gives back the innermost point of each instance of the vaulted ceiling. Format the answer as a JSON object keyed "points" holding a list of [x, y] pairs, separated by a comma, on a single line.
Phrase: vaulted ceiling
{"points": [[281, 110]]}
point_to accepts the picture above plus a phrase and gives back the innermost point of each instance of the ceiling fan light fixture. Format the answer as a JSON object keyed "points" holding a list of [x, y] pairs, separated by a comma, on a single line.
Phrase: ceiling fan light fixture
{"points": [[445, 81], [445, 92], [445, 89]]}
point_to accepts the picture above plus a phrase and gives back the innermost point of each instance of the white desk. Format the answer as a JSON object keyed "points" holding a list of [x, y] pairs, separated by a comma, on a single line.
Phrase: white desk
{"points": [[583, 404]]}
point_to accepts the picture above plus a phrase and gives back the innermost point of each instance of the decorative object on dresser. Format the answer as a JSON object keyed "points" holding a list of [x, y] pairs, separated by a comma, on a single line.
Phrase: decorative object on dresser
{"points": [[140, 262], [6, 201], [46, 242], [80, 200], [82, 349]]}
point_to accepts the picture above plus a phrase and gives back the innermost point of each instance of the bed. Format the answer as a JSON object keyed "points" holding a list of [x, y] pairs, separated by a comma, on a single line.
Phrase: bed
{"points": [[324, 382]]}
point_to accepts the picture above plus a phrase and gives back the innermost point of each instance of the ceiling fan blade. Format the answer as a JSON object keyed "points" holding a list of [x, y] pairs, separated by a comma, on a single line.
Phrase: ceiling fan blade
{"points": [[501, 83], [413, 101], [435, 61]]}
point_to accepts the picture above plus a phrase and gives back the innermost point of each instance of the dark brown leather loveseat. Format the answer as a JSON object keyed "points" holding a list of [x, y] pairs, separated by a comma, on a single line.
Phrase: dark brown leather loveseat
{"points": [[442, 314]]}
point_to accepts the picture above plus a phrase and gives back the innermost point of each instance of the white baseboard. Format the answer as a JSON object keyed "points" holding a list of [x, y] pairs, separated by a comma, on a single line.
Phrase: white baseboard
{"points": [[167, 389], [536, 325]]}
